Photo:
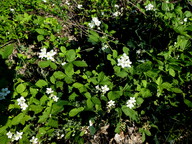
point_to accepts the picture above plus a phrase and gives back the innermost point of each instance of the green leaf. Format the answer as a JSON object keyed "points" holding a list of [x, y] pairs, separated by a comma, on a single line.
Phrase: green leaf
{"points": [[20, 88], [6, 51], [69, 69], [16, 120], [59, 75], [43, 64], [80, 63], [176, 90], [33, 91], [130, 112], [101, 76], [36, 108], [92, 130], [71, 55], [188, 102], [68, 135], [147, 132], [40, 38], [166, 85], [53, 123], [75, 111], [53, 65], [122, 74], [73, 96], [139, 101], [89, 104], [93, 37], [145, 93], [77, 85], [126, 50], [172, 72], [4, 139], [96, 100], [118, 128], [113, 95], [41, 83]]}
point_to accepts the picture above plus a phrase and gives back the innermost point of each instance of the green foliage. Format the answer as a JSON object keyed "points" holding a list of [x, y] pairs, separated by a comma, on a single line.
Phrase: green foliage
{"points": [[108, 66]]}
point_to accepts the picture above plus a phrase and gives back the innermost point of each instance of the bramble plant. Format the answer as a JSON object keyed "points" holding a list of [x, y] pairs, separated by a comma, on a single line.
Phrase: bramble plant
{"points": [[95, 71]]}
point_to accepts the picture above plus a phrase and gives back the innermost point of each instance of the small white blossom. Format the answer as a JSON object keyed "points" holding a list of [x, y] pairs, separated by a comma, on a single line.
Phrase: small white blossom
{"points": [[50, 55], [18, 135], [116, 14], [124, 61], [12, 10], [131, 102], [116, 6], [90, 123], [43, 53], [67, 2], [49, 90], [79, 6], [9, 134], [21, 100], [64, 63], [23, 106], [185, 20], [104, 89], [111, 103], [34, 140], [97, 87], [104, 47], [91, 25], [149, 7], [118, 138], [55, 98], [96, 21]]}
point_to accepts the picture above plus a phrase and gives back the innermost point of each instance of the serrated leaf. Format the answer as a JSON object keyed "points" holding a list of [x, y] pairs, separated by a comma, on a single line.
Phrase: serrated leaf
{"points": [[20, 88], [43, 64], [77, 85], [96, 100], [172, 72], [17, 119], [59, 75], [89, 104], [69, 69], [139, 101], [41, 83], [75, 111], [53, 123], [71, 55], [188, 102], [80, 63], [113, 95], [122, 74], [53, 65], [40, 38], [36, 108], [176, 90], [130, 112], [6, 51]]}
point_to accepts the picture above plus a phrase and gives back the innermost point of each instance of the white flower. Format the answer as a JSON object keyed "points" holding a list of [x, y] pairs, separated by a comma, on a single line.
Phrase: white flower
{"points": [[9, 134], [97, 87], [149, 7], [185, 20], [23, 106], [43, 53], [90, 123], [21, 100], [55, 98], [104, 89], [116, 14], [49, 90], [12, 10], [111, 103], [50, 55], [44, 1], [124, 61], [18, 135], [34, 140], [116, 6], [64, 63], [79, 6], [67, 2], [91, 25], [104, 47], [96, 21], [131, 102]]}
